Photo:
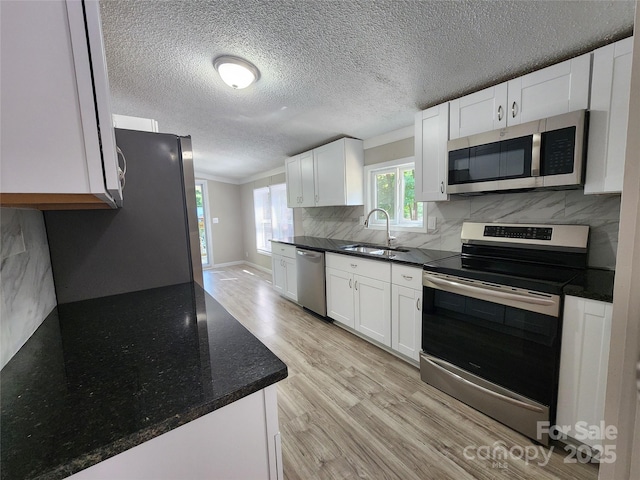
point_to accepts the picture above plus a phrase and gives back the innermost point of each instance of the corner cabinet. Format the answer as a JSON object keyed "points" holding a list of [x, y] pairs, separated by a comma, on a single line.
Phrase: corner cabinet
{"points": [[584, 359], [359, 294], [554, 90], [330, 175], [431, 136], [58, 144], [406, 310], [284, 271], [609, 115]]}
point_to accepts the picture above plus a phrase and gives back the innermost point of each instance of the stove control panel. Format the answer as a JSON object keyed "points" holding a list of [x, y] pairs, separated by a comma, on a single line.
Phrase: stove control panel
{"points": [[523, 232]]}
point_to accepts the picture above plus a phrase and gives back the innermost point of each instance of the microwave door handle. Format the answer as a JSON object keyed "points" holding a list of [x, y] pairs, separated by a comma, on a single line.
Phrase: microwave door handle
{"points": [[535, 154]]}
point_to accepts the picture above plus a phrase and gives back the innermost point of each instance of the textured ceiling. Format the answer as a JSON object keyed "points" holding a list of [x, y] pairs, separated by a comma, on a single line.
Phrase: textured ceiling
{"points": [[358, 68]]}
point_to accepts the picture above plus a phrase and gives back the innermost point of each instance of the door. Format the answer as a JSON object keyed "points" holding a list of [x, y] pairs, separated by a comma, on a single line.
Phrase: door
{"points": [[307, 183], [278, 273], [290, 278], [202, 214], [558, 89], [431, 136], [373, 308], [478, 112], [609, 115], [329, 169], [406, 321], [340, 297], [294, 182]]}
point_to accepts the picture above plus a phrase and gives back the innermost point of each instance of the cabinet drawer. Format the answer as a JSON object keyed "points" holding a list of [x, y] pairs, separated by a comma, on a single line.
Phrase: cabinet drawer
{"points": [[406, 276], [359, 266], [283, 249]]}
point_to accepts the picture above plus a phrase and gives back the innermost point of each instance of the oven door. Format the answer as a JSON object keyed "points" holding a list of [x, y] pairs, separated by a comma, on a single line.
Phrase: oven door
{"points": [[502, 339]]}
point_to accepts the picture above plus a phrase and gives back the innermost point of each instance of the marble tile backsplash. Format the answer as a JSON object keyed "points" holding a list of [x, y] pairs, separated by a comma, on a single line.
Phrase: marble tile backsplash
{"points": [[600, 212], [27, 292]]}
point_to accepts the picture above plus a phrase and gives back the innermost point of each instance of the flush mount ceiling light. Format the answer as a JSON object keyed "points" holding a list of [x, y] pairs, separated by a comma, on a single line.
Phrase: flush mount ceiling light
{"points": [[236, 72]]}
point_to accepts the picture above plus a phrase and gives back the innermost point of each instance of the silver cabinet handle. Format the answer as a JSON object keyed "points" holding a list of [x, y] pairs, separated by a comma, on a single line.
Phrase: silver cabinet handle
{"points": [[354, 265], [418, 304], [500, 113], [349, 283], [441, 187], [317, 198], [356, 284], [407, 277], [514, 109]]}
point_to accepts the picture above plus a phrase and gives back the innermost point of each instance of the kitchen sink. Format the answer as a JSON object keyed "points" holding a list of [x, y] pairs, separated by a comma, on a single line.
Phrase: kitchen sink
{"points": [[373, 249]]}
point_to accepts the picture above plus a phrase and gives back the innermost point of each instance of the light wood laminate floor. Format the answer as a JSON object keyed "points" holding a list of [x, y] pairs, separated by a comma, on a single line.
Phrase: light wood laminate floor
{"points": [[350, 410]]}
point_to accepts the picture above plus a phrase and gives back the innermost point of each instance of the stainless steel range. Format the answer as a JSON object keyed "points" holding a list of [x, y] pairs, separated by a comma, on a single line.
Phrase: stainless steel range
{"points": [[491, 321]]}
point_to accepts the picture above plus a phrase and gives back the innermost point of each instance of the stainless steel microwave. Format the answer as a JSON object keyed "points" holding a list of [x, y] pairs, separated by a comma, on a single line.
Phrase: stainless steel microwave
{"points": [[545, 153]]}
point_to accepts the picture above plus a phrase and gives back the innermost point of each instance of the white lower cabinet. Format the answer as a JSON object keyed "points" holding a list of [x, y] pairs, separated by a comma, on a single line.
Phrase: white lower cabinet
{"points": [[406, 311], [359, 295], [586, 334], [235, 442], [284, 270]]}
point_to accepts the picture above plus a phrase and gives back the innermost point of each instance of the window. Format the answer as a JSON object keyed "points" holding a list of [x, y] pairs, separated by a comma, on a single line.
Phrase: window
{"points": [[201, 201], [273, 218], [391, 186]]}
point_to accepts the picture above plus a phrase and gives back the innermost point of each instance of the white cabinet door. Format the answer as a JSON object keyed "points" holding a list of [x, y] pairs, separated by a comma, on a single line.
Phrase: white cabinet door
{"points": [[307, 180], [554, 90], [329, 169], [294, 181], [373, 308], [431, 163], [406, 321], [478, 112], [340, 296], [278, 273], [291, 278], [53, 146], [586, 334], [558, 89], [609, 114]]}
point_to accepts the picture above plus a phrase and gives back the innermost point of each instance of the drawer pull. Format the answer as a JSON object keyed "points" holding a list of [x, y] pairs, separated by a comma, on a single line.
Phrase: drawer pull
{"points": [[349, 283], [354, 265], [407, 277]]}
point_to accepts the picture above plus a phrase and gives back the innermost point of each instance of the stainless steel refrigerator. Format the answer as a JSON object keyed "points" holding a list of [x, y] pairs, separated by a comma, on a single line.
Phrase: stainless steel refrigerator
{"points": [[152, 241]]}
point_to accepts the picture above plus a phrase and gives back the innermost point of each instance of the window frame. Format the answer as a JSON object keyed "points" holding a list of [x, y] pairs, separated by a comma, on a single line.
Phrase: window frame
{"points": [[370, 194]]}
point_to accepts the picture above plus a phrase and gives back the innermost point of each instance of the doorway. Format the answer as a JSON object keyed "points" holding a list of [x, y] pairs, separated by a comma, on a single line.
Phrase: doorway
{"points": [[202, 207]]}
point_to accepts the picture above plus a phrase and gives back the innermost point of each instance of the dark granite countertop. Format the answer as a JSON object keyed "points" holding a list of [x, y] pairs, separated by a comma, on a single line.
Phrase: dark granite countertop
{"points": [[101, 376], [413, 256], [594, 284]]}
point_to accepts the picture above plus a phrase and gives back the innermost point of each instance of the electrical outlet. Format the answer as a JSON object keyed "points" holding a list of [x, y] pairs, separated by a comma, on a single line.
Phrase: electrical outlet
{"points": [[361, 222], [431, 223], [215, 220], [246, 254]]}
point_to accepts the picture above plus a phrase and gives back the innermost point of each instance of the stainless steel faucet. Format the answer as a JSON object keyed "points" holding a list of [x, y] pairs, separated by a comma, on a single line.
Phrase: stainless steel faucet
{"points": [[366, 223]]}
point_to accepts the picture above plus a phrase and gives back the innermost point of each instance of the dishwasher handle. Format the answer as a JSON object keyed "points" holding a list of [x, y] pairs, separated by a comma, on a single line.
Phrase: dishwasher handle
{"points": [[305, 253]]}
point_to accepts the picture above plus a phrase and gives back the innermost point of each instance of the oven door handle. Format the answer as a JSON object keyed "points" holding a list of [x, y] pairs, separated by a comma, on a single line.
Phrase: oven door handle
{"points": [[486, 291], [501, 396]]}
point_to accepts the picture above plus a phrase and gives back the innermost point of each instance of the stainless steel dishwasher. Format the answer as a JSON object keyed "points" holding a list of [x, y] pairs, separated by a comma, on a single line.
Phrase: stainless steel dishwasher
{"points": [[311, 288]]}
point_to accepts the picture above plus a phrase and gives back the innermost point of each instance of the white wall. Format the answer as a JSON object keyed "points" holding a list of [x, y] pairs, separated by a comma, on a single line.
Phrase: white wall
{"points": [[227, 236], [26, 283]]}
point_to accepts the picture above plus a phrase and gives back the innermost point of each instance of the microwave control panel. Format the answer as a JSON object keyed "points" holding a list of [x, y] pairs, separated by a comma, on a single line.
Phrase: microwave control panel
{"points": [[526, 233]]}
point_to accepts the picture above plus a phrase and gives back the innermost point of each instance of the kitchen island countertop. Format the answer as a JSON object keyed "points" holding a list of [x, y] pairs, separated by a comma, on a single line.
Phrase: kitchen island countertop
{"points": [[101, 376]]}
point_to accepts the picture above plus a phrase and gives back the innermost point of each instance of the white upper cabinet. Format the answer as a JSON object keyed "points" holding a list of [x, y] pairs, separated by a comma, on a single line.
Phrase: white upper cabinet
{"points": [[332, 174], [300, 180], [478, 112], [610, 95], [431, 136], [554, 90], [58, 144]]}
